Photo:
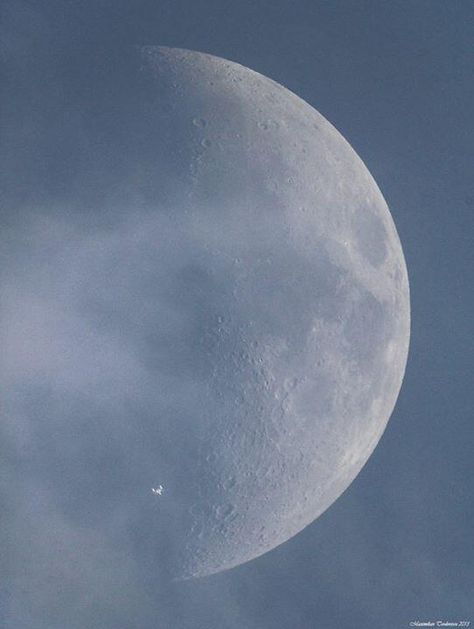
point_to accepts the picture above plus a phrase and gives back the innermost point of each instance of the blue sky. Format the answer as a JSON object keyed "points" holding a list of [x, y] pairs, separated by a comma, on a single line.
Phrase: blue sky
{"points": [[395, 78]]}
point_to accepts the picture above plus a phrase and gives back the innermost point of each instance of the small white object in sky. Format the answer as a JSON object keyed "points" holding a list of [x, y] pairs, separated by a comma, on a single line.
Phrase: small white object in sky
{"points": [[158, 491]]}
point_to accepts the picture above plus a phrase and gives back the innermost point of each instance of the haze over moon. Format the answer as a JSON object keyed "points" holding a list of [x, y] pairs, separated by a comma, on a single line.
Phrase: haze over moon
{"points": [[223, 313]]}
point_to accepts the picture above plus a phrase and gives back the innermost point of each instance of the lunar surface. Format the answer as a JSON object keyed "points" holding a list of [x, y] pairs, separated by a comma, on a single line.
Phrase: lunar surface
{"points": [[216, 307]]}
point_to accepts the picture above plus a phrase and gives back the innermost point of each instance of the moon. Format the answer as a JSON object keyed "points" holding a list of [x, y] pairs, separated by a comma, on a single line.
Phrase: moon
{"points": [[230, 305], [297, 291]]}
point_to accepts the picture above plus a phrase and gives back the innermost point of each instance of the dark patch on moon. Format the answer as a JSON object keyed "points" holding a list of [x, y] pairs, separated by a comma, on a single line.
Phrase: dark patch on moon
{"points": [[367, 329], [371, 235]]}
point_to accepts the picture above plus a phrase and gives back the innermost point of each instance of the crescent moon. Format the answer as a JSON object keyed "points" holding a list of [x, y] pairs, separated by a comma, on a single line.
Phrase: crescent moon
{"points": [[298, 285]]}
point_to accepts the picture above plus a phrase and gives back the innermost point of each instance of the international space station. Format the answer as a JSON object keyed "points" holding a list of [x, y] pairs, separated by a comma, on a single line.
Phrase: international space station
{"points": [[158, 491]]}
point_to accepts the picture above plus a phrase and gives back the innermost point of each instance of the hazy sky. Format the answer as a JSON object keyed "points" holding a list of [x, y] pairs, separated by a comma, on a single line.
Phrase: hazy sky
{"points": [[396, 79]]}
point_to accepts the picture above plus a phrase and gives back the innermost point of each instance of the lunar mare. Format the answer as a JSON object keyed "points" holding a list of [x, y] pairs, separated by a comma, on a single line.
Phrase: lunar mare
{"points": [[230, 304]]}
